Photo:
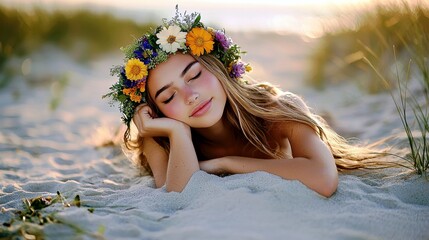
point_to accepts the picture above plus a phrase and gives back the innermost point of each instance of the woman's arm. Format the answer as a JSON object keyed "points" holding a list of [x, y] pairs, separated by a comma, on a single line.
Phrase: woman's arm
{"points": [[312, 162], [176, 169], [157, 158], [183, 161]]}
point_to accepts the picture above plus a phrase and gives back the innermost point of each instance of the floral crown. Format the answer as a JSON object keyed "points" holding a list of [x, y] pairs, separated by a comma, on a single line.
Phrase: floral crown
{"points": [[183, 32]]}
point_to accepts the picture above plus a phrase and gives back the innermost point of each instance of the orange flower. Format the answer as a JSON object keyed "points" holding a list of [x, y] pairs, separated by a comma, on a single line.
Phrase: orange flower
{"points": [[141, 86], [198, 39], [135, 97], [127, 91]]}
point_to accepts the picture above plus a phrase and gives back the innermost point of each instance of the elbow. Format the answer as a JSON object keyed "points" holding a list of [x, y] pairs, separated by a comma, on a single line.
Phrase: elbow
{"points": [[173, 188], [329, 186], [169, 187]]}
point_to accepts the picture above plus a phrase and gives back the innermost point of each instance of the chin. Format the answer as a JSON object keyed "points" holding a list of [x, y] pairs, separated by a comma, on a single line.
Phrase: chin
{"points": [[206, 121]]}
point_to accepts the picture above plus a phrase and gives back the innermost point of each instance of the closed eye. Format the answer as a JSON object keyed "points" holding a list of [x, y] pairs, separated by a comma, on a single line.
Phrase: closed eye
{"points": [[169, 99], [196, 76], [172, 96]]}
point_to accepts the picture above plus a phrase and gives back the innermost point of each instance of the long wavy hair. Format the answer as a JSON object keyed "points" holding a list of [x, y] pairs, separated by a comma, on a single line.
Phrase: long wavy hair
{"points": [[252, 108]]}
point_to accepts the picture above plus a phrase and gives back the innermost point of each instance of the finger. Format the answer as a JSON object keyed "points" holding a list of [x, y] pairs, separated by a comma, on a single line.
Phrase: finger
{"points": [[139, 108], [137, 118], [142, 112], [148, 112]]}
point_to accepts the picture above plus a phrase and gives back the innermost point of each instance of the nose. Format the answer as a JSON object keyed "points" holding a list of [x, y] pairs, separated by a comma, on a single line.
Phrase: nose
{"points": [[192, 97]]}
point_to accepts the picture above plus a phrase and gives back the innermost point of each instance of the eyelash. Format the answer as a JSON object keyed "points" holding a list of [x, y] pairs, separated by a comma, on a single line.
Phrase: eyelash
{"points": [[196, 76], [171, 98]]}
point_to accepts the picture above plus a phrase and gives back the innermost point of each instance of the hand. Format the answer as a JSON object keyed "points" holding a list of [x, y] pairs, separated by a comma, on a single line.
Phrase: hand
{"points": [[149, 125], [213, 166]]}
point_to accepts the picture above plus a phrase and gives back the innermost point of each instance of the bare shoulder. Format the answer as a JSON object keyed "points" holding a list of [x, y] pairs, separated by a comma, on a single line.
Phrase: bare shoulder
{"points": [[304, 140], [293, 129]]}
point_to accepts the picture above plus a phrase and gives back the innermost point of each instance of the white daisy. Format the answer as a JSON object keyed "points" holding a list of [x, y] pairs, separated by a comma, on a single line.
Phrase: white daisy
{"points": [[170, 39]]}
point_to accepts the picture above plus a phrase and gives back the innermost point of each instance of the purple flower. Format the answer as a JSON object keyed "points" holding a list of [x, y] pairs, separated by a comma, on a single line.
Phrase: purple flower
{"points": [[139, 53], [237, 70], [145, 55], [129, 84], [145, 44], [145, 51], [224, 41]]}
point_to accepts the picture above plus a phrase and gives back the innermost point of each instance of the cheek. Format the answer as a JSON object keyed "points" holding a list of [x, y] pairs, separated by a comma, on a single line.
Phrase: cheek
{"points": [[210, 82], [172, 110]]}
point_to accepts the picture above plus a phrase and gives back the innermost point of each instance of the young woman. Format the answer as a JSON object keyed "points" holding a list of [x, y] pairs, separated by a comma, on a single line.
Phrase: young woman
{"points": [[183, 86]]}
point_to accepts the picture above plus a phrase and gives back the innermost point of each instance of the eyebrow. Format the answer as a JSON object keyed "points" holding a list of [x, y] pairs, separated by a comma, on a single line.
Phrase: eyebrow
{"points": [[162, 89], [185, 70]]}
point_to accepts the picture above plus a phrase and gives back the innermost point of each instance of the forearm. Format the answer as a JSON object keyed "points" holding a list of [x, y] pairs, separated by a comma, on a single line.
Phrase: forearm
{"points": [[183, 161], [320, 176]]}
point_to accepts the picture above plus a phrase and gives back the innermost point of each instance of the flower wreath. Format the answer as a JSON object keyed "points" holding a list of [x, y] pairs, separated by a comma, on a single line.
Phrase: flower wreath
{"points": [[183, 32]]}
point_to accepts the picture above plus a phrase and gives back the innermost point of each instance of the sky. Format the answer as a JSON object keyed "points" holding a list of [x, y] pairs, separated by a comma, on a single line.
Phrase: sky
{"points": [[308, 17]]}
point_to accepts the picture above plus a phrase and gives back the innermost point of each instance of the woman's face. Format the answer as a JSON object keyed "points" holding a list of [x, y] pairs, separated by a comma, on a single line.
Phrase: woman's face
{"points": [[184, 90]]}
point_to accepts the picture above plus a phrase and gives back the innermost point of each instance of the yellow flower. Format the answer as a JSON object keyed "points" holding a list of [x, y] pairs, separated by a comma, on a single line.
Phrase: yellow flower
{"points": [[229, 68], [211, 31], [135, 69], [198, 39], [248, 68]]}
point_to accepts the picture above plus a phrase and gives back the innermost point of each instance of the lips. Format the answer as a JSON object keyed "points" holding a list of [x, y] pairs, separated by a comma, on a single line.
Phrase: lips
{"points": [[201, 108]]}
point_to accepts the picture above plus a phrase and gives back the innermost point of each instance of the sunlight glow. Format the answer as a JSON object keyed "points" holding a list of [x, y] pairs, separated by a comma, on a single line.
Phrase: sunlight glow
{"points": [[307, 17]]}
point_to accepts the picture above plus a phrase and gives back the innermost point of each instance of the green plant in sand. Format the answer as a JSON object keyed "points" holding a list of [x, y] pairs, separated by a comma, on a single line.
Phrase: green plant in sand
{"points": [[411, 64], [57, 91], [416, 126], [29, 222]]}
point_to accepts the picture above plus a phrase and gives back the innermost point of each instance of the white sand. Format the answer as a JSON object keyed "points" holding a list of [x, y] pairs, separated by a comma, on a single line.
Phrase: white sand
{"points": [[43, 151]]}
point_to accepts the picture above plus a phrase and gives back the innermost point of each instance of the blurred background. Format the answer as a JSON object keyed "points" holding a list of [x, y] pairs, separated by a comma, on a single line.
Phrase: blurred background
{"points": [[92, 29], [60, 51]]}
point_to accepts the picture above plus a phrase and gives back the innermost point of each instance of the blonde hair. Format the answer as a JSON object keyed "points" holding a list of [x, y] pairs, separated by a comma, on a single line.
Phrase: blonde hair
{"points": [[253, 108]]}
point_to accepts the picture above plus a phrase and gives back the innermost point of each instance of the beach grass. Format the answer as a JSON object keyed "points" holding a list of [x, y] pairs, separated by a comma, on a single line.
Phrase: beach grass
{"points": [[82, 34], [387, 51], [416, 126], [340, 52]]}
